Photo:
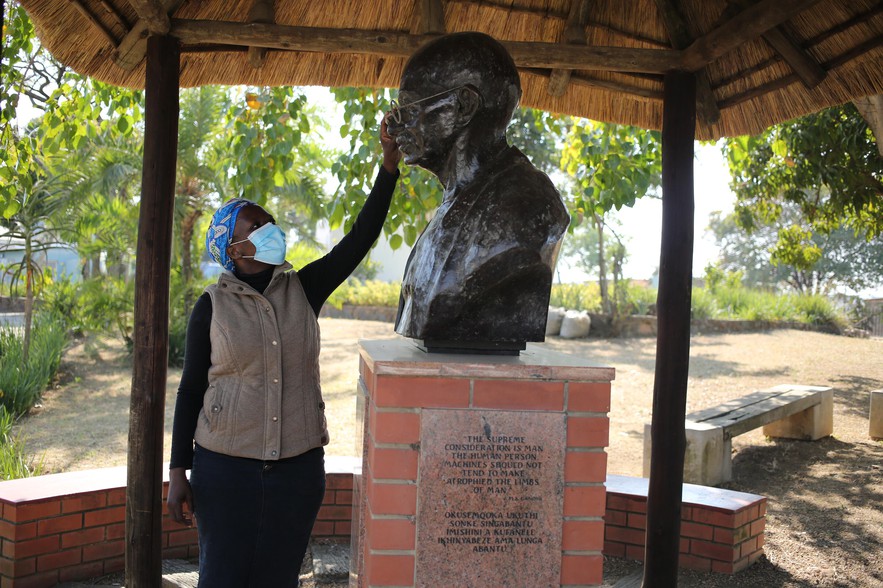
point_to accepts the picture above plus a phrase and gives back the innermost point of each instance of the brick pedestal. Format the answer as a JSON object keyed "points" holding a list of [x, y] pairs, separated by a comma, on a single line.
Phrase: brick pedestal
{"points": [[478, 467]]}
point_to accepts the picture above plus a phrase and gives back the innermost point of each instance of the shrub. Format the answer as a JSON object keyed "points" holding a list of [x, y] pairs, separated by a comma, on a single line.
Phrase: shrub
{"points": [[576, 296], [819, 310], [13, 463], [367, 293], [22, 383], [703, 305]]}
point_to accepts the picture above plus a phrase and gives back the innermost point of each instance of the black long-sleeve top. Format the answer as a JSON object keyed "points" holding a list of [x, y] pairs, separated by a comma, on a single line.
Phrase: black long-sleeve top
{"points": [[319, 279]]}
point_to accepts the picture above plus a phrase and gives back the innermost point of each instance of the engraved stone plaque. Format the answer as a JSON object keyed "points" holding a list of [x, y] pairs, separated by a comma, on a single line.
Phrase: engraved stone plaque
{"points": [[489, 498]]}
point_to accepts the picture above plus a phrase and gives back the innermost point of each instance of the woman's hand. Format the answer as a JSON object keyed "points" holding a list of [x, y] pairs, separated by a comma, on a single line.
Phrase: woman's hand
{"points": [[391, 153], [180, 494]]}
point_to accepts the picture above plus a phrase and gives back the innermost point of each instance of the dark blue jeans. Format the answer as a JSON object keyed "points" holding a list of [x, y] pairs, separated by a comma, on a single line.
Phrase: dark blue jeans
{"points": [[254, 517]]}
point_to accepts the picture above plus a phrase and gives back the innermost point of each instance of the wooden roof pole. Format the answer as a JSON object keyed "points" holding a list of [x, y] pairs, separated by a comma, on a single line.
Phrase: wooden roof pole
{"points": [[673, 335], [574, 34], [261, 11], [133, 47], [151, 335], [430, 16], [681, 38], [153, 13]]}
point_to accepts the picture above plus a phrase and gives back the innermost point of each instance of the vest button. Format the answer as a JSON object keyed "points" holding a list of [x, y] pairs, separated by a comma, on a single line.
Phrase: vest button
{"points": [[273, 453], [275, 419], [267, 309], [274, 343], [275, 380], [216, 408]]}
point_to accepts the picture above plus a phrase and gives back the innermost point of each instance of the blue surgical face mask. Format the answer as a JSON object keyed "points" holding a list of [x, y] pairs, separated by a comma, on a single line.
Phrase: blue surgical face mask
{"points": [[269, 244]]}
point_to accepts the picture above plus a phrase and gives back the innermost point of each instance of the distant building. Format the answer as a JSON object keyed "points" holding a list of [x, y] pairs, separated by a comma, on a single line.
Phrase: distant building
{"points": [[60, 260]]}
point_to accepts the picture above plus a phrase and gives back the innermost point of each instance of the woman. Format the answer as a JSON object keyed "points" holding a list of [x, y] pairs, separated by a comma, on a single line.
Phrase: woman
{"points": [[249, 395]]}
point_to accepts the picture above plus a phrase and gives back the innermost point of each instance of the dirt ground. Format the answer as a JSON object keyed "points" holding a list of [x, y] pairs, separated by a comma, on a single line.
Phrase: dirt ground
{"points": [[825, 513]]}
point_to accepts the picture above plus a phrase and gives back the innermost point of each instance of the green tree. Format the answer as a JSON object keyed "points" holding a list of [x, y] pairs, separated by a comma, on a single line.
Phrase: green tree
{"points": [[826, 165], [788, 253], [612, 166]]}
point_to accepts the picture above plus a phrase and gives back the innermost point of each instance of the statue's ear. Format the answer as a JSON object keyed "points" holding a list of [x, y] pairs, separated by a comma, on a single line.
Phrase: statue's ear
{"points": [[468, 103]]}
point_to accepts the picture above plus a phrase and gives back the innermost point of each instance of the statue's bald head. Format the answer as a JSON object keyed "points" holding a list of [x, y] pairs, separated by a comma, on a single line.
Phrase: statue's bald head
{"points": [[473, 59]]}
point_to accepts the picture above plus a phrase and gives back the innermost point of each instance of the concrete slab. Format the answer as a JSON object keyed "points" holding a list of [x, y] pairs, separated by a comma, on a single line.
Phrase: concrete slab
{"points": [[331, 561]]}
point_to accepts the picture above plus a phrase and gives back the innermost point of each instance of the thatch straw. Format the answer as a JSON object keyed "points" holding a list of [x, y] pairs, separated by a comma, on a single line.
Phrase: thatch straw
{"points": [[752, 85]]}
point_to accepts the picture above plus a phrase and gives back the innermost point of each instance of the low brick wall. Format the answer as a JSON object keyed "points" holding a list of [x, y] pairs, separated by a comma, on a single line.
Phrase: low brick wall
{"points": [[721, 530], [70, 527]]}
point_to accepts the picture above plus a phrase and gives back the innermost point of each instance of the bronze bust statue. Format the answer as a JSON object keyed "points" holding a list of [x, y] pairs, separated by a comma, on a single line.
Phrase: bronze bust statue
{"points": [[479, 277]]}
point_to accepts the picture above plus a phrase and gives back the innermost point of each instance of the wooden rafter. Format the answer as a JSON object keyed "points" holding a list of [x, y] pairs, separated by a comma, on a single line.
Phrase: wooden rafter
{"points": [[803, 64], [430, 18], [613, 86], [706, 108], [153, 13], [133, 47], [261, 11], [93, 20], [115, 14], [574, 34], [748, 25], [526, 54]]}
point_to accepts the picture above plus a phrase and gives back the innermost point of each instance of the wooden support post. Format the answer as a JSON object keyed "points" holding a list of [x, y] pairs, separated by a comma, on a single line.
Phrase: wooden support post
{"points": [[261, 11], [574, 34], [673, 335], [152, 261]]}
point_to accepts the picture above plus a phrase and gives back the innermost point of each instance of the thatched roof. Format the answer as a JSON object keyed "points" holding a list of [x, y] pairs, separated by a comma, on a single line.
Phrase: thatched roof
{"points": [[759, 63]]}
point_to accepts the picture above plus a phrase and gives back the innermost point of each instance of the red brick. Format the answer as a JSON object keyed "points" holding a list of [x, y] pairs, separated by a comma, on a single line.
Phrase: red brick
{"points": [[395, 427], [395, 391], [393, 464], [60, 524], [723, 567], [185, 537], [588, 397], [343, 529], [582, 536], [584, 501], [698, 531], [635, 552], [78, 538], [339, 481], [33, 511], [585, 466], [637, 520], [624, 535], [757, 527], [33, 547], [518, 395], [714, 551], [94, 518], [344, 497], [685, 560], [84, 502], [616, 517], [714, 517], [116, 496], [761, 507], [588, 432], [81, 572], [18, 532], [59, 559], [389, 570], [392, 499], [16, 568], [746, 548], [104, 550], [614, 549], [177, 552], [746, 515], [392, 534], [323, 529], [117, 531], [114, 564], [731, 536], [582, 569], [44, 580], [617, 502], [335, 513], [684, 545], [367, 376]]}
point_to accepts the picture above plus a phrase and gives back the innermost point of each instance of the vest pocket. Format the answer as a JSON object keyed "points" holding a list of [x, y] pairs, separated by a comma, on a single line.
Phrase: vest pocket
{"points": [[213, 407], [322, 422]]}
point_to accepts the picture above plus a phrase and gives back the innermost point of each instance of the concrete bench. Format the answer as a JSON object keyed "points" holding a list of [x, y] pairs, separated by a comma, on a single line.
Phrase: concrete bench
{"points": [[787, 411]]}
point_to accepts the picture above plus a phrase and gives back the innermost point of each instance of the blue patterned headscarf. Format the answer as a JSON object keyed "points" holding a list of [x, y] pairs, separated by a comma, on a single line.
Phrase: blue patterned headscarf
{"points": [[220, 231]]}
